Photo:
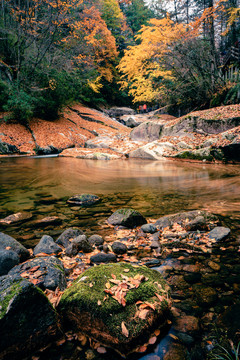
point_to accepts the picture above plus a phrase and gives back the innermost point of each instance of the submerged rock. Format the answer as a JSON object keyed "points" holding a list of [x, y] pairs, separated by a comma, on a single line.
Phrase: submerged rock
{"points": [[16, 218], [184, 218], [103, 258], [96, 240], [119, 248], [9, 243], [127, 217], [49, 220], [118, 321], [83, 200], [219, 233], [27, 319], [45, 272]]}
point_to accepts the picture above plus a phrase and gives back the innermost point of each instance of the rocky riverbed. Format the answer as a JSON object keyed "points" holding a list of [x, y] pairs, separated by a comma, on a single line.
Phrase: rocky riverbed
{"points": [[192, 252]]}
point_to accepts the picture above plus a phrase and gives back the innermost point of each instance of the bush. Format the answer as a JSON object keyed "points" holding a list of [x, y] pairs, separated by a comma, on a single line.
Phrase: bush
{"points": [[21, 106]]}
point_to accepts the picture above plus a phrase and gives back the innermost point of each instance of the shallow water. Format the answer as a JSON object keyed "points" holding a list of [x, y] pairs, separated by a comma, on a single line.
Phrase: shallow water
{"points": [[155, 188]]}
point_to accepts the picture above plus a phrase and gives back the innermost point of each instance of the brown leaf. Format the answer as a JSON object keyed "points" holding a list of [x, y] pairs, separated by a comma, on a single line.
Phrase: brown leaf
{"points": [[124, 329], [99, 302], [113, 276], [7, 247], [91, 285], [101, 350], [35, 268], [108, 285], [60, 342], [152, 340], [161, 298], [142, 349], [157, 332], [25, 274], [142, 314], [126, 270]]}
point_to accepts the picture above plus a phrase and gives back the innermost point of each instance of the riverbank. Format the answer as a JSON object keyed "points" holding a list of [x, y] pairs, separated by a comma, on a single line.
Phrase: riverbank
{"points": [[211, 135]]}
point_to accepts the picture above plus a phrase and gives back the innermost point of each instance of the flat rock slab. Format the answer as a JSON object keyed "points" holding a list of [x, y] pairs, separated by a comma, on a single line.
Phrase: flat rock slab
{"points": [[45, 272], [9, 243], [127, 217], [118, 305], [84, 200], [27, 319], [219, 233], [16, 218]]}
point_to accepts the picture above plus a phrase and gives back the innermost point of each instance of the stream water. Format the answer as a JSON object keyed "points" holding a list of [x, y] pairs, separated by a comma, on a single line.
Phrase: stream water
{"points": [[43, 185]]}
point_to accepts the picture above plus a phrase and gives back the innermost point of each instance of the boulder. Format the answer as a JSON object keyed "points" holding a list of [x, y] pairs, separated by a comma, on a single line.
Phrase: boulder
{"points": [[48, 150], [153, 151], [149, 228], [103, 257], [183, 218], [8, 259], [95, 240], [119, 248], [46, 272], [127, 217], [117, 112], [147, 131], [131, 122], [82, 244], [118, 321], [206, 153], [47, 245], [9, 243], [100, 142], [27, 319], [67, 235], [16, 218], [219, 233], [83, 200]]}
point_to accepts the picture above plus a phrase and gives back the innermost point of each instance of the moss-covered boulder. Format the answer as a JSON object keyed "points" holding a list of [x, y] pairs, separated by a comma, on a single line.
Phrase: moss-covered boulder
{"points": [[27, 319], [127, 217], [118, 305]]}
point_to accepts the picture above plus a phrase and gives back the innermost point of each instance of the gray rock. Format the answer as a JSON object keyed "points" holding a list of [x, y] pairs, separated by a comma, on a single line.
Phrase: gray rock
{"points": [[49, 220], [84, 200], [199, 223], [147, 131], [219, 233], [48, 150], [149, 228], [95, 240], [27, 319], [82, 244], [71, 250], [119, 248], [131, 122], [7, 241], [103, 258], [8, 259], [117, 112], [181, 218], [153, 151], [6, 148], [127, 217], [47, 245], [71, 233], [49, 272]]}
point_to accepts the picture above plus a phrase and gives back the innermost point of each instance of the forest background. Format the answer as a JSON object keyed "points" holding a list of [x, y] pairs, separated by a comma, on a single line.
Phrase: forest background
{"points": [[116, 52]]}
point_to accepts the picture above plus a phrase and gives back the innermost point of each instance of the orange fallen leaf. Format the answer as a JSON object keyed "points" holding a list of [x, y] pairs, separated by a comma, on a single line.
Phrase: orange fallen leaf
{"points": [[126, 270], [142, 314], [101, 350], [157, 332], [60, 342], [124, 329], [142, 349], [8, 248], [152, 340], [161, 298], [99, 302]]}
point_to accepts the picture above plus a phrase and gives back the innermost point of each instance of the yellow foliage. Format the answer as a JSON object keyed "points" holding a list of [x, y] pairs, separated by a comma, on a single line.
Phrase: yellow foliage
{"points": [[95, 85]]}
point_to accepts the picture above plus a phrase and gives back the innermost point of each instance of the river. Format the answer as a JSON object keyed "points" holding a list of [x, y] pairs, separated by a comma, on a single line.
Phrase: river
{"points": [[155, 188]]}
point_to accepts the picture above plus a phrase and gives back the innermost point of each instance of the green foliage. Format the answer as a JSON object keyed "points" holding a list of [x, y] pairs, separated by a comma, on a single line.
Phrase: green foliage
{"points": [[223, 353], [21, 105]]}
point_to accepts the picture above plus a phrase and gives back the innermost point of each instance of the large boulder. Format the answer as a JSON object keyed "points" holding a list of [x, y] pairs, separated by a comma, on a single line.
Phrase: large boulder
{"points": [[6, 149], [67, 235], [117, 304], [9, 243], [27, 319], [83, 200], [153, 151], [117, 112], [206, 154], [46, 272], [127, 217], [147, 131]]}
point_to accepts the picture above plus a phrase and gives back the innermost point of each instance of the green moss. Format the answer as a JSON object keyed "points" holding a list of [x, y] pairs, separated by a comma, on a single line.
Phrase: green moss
{"points": [[88, 289], [194, 156], [7, 295]]}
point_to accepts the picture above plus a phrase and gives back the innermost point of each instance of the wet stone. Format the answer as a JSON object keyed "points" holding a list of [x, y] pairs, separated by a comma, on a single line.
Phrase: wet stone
{"points": [[84, 200], [10, 243], [82, 244], [8, 259], [119, 248], [16, 218], [219, 233], [127, 217], [214, 266], [187, 324], [205, 295], [149, 228], [47, 245], [96, 240], [103, 258], [49, 220], [71, 233]]}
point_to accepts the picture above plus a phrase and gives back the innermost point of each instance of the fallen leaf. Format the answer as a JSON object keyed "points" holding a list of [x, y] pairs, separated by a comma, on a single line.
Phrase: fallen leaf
{"points": [[99, 302], [161, 298], [113, 276], [60, 342], [174, 337], [91, 285], [107, 285], [124, 329], [157, 332], [126, 270], [152, 340], [8, 248], [142, 349], [142, 314], [82, 338]]}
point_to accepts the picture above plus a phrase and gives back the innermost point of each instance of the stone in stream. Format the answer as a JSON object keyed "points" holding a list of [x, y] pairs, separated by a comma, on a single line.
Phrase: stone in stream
{"points": [[117, 322], [47, 245], [103, 257], [8, 259], [27, 319], [46, 272], [149, 228], [83, 200], [16, 218], [119, 248], [9, 243], [82, 244], [127, 217], [96, 240], [219, 233], [49, 220], [67, 235]]}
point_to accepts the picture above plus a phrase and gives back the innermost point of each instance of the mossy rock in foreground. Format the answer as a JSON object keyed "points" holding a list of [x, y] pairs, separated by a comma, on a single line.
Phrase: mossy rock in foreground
{"points": [[89, 307], [127, 217]]}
